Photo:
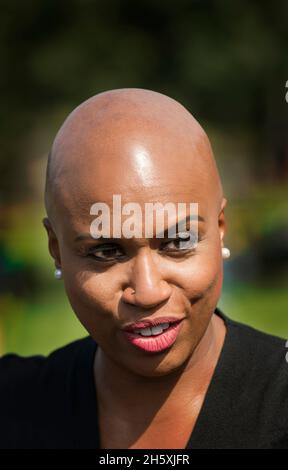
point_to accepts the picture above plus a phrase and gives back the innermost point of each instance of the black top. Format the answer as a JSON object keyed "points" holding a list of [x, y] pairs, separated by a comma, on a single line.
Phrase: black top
{"points": [[50, 402]]}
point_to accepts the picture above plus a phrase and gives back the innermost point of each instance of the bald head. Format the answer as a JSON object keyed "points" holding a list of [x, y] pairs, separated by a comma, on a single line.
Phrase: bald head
{"points": [[141, 137]]}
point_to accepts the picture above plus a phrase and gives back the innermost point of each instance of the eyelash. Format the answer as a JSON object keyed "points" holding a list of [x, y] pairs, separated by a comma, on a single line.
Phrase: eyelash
{"points": [[174, 253]]}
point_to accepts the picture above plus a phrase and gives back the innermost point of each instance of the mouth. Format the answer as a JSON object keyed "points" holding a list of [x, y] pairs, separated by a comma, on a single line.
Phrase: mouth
{"points": [[149, 323], [156, 337]]}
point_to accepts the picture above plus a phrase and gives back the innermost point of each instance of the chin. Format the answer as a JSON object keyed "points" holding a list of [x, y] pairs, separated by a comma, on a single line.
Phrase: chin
{"points": [[157, 364]]}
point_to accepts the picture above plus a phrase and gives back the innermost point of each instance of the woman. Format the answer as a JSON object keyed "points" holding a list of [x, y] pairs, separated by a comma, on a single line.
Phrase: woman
{"points": [[162, 366]]}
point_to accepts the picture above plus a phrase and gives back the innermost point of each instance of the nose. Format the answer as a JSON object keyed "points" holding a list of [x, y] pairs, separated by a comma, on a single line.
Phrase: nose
{"points": [[147, 288]]}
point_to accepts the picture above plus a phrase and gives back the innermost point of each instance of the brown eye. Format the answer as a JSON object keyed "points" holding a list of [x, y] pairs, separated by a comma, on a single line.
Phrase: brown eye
{"points": [[182, 243], [106, 252]]}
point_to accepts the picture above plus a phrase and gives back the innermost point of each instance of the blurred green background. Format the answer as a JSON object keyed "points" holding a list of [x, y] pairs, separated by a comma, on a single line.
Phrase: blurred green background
{"points": [[226, 61]]}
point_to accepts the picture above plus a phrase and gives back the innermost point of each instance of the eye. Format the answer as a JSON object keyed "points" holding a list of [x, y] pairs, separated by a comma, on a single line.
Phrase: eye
{"points": [[106, 252], [182, 243]]}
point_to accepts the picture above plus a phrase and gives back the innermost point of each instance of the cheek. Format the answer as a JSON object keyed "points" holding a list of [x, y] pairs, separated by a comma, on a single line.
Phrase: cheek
{"points": [[200, 274], [92, 295], [93, 302], [91, 290]]}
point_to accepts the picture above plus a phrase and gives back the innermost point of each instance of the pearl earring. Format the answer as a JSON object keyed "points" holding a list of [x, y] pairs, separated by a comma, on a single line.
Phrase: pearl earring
{"points": [[58, 274], [225, 252]]}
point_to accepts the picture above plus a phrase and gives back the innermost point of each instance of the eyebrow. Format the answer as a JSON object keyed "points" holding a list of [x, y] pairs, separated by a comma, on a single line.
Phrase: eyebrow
{"points": [[87, 236]]}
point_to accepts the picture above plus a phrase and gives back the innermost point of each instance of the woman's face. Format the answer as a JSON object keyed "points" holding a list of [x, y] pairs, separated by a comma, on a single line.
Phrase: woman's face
{"points": [[100, 275]]}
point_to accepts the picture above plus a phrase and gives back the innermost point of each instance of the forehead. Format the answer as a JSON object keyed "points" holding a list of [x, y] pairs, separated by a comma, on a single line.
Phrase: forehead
{"points": [[77, 205], [137, 179], [142, 159]]}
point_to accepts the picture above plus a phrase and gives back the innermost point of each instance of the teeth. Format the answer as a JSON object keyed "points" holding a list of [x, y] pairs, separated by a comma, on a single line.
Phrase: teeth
{"points": [[145, 331], [155, 330]]}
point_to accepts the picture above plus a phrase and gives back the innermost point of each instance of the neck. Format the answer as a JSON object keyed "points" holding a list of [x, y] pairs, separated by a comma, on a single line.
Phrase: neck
{"points": [[123, 392]]}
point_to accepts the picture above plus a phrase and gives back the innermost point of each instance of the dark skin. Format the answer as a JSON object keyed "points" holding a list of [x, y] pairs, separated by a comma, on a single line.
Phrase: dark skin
{"points": [[146, 147]]}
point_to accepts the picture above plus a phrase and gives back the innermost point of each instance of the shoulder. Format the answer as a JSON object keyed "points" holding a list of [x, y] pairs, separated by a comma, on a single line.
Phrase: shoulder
{"points": [[17, 368], [265, 350], [261, 380], [35, 394], [267, 353]]}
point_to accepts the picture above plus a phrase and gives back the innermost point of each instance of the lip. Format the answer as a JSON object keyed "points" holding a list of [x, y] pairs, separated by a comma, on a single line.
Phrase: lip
{"points": [[155, 343], [149, 323]]}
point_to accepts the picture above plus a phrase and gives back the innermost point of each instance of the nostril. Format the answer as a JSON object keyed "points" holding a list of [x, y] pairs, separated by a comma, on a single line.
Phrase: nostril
{"points": [[147, 296]]}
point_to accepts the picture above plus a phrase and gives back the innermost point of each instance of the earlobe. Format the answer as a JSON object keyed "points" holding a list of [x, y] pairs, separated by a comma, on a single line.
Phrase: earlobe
{"points": [[53, 245], [222, 225], [222, 230]]}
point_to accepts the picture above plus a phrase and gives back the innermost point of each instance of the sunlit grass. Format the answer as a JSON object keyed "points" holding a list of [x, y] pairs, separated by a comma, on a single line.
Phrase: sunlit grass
{"points": [[39, 326], [262, 308]]}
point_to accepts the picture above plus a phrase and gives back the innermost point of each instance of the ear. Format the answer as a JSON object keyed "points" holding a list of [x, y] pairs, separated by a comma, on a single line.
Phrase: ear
{"points": [[222, 222], [52, 242]]}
